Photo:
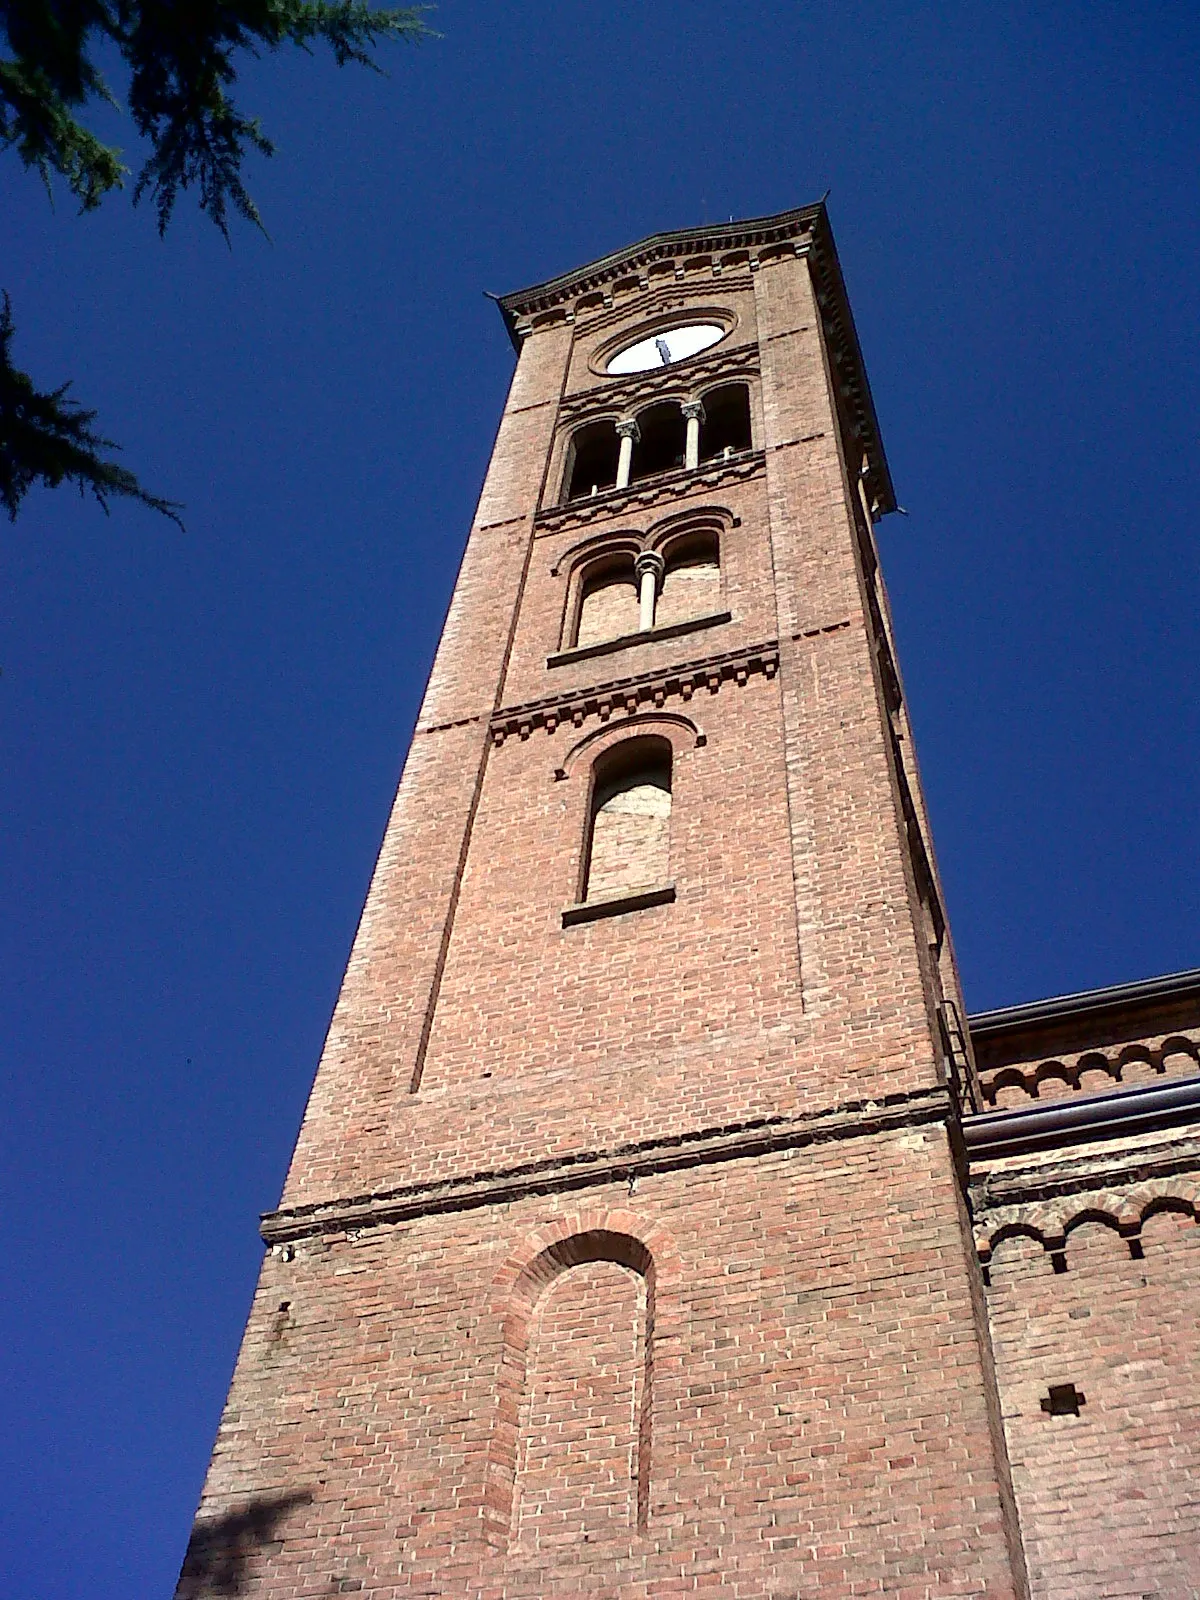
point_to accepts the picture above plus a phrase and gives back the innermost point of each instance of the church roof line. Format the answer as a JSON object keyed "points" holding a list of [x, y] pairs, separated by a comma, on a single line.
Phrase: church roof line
{"points": [[1172, 986]]}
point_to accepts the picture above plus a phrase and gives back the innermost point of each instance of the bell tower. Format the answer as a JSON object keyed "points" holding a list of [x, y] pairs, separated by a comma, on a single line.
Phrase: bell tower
{"points": [[624, 1248]]}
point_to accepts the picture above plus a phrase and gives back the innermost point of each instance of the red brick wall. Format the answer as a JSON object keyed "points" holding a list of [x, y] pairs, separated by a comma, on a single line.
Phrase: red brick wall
{"points": [[819, 1417], [1108, 1499], [580, 1425]]}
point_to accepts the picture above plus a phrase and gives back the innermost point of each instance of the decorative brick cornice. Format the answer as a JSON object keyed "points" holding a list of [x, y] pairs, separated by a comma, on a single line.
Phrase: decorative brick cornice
{"points": [[590, 1168], [635, 693], [740, 361], [735, 243], [667, 487], [999, 1199]]}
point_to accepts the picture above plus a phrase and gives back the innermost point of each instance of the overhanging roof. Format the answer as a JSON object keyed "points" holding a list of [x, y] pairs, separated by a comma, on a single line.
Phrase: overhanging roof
{"points": [[1173, 986]]}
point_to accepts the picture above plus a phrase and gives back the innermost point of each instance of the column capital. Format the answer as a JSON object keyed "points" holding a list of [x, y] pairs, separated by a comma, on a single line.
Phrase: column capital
{"points": [[649, 561], [693, 410], [629, 429]]}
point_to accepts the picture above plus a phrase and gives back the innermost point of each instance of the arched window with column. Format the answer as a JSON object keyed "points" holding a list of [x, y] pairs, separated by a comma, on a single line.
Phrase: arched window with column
{"points": [[608, 601], [661, 441], [691, 583], [592, 460], [725, 423], [629, 820]]}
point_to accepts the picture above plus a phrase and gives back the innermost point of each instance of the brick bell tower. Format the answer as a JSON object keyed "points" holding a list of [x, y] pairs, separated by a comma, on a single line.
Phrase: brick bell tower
{"points": [[624, 1249]]}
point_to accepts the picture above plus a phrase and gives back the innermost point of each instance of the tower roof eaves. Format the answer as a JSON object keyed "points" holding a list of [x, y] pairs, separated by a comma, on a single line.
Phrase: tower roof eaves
{"points": [[811, 221]]}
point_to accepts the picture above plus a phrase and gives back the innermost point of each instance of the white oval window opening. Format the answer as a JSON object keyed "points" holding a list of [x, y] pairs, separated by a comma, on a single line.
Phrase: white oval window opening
{"points": [[665, 349]]}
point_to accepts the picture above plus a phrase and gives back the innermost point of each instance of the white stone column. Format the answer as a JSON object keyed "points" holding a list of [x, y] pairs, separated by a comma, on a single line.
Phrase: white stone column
{"points": [[628, 433], [648, 569], [693, 411]]}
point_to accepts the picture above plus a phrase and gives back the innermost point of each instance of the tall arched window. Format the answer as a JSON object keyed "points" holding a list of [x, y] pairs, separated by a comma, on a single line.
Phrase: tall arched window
{"points": [[629, 833], [592, 460], [608, 602], [691, 585], [726, 426], [661, 442]]}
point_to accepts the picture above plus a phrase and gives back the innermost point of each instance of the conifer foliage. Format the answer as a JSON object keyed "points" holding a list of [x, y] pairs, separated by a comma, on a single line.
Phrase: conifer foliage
{"points": [[48, 438], [181, 58]]}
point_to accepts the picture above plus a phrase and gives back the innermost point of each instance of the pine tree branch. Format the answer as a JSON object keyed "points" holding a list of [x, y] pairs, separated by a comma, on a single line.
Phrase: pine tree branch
{"points": [[180, 56], [181, 75], [48, 438], [36, 119]]}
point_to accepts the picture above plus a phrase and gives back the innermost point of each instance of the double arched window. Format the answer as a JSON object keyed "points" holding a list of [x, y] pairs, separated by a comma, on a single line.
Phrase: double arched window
{"points": [[641, 588], [665, 437]]}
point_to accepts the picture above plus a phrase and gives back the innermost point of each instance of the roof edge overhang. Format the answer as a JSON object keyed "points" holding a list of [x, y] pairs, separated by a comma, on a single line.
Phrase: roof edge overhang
{"points": [[808, 227], [1172, 986]]}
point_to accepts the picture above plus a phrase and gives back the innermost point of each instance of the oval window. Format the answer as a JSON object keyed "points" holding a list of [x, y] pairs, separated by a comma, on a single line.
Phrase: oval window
{"points": [[665, 349]]}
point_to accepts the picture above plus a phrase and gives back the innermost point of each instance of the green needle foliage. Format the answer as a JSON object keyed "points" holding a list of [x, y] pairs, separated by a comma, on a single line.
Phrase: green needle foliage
{"points": [[48, 438], [180, 56]]}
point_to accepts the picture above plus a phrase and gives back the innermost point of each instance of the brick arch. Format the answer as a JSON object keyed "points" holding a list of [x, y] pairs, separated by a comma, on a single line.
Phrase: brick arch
{"points": [[1098, 1214], [700, 519], [620, 540], [1056, 1072], [1006, 1078], [1093, 1061], [988, 1243], [520, 1286], [680, 732], [1177, 1045], [1179, 1204]]}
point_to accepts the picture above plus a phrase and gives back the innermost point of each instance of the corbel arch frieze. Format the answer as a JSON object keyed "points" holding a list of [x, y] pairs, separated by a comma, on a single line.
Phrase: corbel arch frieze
{"points": [[1123, 1210], [680, 732], [626, 697]]}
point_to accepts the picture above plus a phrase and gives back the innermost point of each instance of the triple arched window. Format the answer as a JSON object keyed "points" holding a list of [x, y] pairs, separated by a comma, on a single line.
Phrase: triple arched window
{"points": [[665, 437]]}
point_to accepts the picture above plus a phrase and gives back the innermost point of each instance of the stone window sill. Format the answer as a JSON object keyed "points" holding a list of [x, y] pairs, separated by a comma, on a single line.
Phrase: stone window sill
{"points": [[616, 905], [673, 630]]}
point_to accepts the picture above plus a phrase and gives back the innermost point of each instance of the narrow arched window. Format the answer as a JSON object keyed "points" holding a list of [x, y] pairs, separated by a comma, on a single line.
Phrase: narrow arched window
{"points": [[608, 602], [661, 442], [691, 585], [725, 429], [592, 460], [629, 831]]}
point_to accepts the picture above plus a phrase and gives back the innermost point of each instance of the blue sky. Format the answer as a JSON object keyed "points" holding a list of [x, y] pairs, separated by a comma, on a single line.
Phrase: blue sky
{"points": [[203, 730]]}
